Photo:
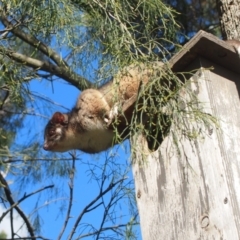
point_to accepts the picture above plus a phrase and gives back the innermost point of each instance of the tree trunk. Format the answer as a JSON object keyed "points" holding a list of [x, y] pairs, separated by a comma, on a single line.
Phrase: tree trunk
{"points": [[229, 16]]}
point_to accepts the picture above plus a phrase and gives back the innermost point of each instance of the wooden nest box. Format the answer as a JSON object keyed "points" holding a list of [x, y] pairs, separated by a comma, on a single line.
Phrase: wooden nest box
{"points": [[196, 194]]}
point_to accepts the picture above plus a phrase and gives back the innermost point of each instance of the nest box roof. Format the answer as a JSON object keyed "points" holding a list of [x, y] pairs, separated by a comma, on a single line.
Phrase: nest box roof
{"points": [[206, 45]]}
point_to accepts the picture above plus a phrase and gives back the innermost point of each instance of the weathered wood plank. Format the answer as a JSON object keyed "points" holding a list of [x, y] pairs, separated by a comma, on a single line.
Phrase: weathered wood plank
{"points": [[195, 195]]}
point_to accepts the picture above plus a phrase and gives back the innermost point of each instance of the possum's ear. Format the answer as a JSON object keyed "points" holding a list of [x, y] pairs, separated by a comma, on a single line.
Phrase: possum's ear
{"points": [[59, 118]]}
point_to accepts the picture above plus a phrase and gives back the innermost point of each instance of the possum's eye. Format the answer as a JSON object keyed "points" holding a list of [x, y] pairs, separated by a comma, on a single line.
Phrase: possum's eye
{"points": [[51, 132]]}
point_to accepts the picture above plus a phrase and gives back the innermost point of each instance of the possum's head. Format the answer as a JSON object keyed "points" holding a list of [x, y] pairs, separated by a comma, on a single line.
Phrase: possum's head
{"points": [[55, 133]]}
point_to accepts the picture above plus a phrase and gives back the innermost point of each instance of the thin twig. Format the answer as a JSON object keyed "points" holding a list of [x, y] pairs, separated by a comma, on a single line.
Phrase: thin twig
{"points": [[6, 98], [71, 186], [111, 186], [104, 229], [22, 199], [91, 209], [104, 218], [28, 238]]}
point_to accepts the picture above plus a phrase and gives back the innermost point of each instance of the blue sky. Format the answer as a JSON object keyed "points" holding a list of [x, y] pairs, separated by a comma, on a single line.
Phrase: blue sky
{"points": [[64, 96], [85, 189]]}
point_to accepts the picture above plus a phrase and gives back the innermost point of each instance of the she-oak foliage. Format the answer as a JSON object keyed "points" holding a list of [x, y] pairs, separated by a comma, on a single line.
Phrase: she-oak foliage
{"points": [[83, 43]]}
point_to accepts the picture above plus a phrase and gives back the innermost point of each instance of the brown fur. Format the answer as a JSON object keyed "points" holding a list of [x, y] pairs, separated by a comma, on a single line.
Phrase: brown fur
{"points": [[62, 136], [125, 84], [92, 108], [87, 124]]}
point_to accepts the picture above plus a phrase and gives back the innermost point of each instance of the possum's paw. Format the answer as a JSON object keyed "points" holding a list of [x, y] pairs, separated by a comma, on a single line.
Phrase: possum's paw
{"points": [[106, 120], [114, 111]]}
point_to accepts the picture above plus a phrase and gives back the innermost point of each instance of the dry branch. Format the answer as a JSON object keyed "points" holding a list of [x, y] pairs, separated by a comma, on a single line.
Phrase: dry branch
{"points": [[8, 194], [61, 69], [62, 72]]}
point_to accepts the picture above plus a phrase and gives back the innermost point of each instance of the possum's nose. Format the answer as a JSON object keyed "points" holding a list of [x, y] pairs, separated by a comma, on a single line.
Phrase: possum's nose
{"points": [[46, 146]]}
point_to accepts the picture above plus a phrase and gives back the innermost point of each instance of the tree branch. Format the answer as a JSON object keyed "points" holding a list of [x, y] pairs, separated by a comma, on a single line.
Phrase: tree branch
{"points": [[22, 199], [31, 40], [62, 72], [6, 97], [35, 159], [11, 223], [20, 212]]}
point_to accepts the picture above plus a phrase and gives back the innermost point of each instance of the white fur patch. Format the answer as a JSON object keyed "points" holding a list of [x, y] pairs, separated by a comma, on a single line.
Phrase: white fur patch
{"points": [[59, 130]]}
